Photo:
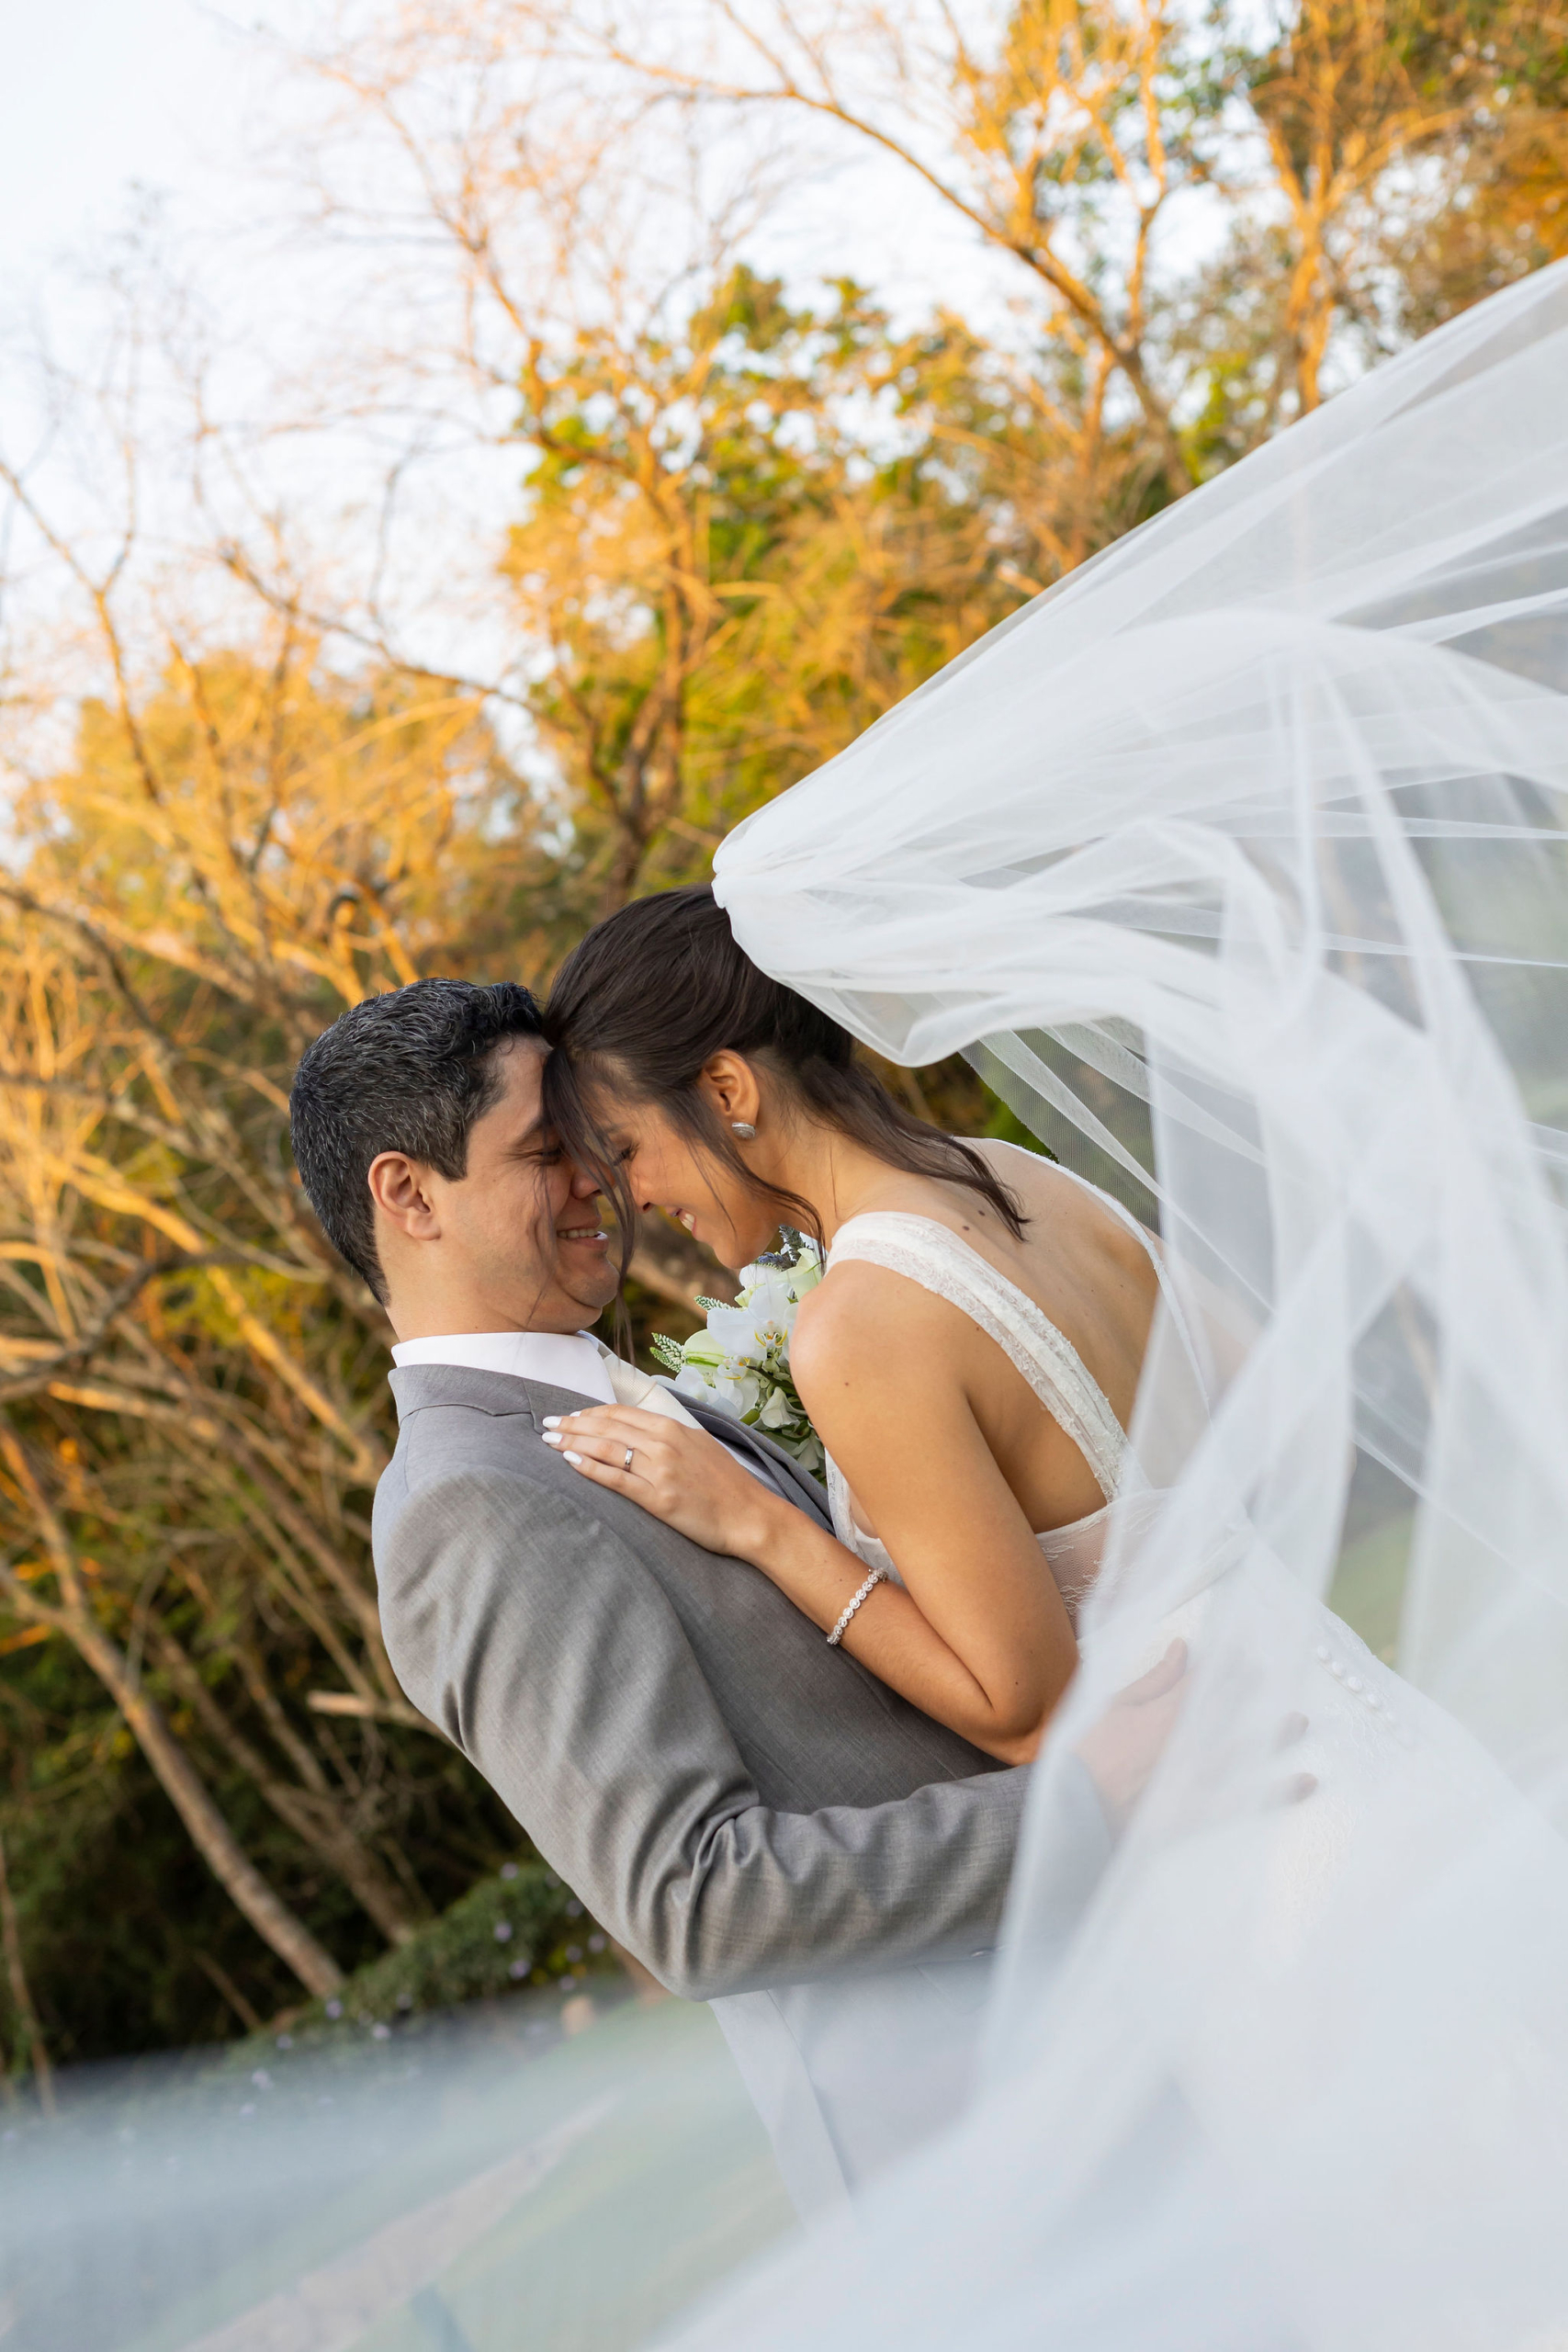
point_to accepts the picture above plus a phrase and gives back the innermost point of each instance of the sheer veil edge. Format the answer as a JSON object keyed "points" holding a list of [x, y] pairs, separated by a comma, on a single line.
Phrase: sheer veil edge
{"points": [[1239, 863]]}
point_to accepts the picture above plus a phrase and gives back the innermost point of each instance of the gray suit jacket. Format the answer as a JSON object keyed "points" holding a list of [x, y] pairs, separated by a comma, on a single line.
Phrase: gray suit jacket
{"points": [[739, 1804]]}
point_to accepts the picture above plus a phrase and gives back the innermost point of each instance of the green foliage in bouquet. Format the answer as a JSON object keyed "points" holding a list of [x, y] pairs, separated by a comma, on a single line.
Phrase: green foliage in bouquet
{"points": [[740, 1361]]}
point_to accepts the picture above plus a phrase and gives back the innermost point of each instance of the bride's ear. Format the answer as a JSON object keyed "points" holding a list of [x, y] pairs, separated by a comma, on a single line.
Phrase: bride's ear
{"points": [[729, 1084]]}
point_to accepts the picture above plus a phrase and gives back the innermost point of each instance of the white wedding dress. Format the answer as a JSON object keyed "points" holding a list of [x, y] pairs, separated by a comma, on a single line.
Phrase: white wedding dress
{"points": [[1239, 861], [940, 1261], [1361, 1726]]}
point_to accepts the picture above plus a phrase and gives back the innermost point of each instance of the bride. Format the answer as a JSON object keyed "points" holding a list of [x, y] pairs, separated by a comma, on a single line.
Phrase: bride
{"points": [[969, 1361], [1239, 862]]}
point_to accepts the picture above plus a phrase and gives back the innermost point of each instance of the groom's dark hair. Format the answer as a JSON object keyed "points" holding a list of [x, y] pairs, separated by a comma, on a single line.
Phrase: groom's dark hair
{"points": [[409, 1071]]}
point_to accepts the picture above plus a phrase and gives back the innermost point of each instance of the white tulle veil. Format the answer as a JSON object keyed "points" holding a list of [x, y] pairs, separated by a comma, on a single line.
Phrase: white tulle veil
{"points": [[1239, 861]]}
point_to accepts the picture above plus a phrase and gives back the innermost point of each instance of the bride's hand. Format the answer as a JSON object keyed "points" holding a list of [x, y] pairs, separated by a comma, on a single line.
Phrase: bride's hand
{"points": [[682, 1475], [1122, 1749]]}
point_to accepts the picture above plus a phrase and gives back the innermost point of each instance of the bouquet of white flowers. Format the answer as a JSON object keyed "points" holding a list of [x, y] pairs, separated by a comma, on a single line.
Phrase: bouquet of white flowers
{"points": [[740, 1362]]}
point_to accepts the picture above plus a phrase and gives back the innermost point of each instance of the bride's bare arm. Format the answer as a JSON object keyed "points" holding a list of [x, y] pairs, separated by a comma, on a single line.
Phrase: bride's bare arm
{"points": [[886, 1391], [980, 1639], [684, 1478]]}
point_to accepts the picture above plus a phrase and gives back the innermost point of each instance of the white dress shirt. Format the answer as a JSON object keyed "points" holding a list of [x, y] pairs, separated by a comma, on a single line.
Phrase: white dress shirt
{"points": [[572, 1359]]}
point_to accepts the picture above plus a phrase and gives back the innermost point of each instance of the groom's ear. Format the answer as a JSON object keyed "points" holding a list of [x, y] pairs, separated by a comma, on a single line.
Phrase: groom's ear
{"points": [[402, 1191]]}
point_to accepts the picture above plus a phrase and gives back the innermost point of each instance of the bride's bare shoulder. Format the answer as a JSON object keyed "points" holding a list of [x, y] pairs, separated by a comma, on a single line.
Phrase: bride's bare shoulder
{"points": [[862, 1318]]}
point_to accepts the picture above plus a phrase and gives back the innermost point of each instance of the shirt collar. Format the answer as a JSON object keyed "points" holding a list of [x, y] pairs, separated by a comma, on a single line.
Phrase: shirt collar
{"points": [[570, 1360]]}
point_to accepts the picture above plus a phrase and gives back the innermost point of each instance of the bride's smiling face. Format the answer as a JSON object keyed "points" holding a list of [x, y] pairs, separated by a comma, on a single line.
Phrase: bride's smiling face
{"points": [[667, 1167]]}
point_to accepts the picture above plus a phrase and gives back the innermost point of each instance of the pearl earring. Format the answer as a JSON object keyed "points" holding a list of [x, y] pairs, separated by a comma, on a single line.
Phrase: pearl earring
{"points": [[744, 1129]]}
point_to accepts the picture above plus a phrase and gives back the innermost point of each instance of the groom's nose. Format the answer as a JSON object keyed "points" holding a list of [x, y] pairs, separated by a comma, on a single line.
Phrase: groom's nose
{"points": [[584, 1184]]}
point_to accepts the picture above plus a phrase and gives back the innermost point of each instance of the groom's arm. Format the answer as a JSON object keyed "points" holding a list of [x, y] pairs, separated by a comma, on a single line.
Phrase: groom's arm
{"points": [[542, 1645]]}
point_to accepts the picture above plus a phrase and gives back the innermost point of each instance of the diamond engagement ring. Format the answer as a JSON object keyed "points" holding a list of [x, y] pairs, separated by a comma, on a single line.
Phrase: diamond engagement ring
{"points": [[628, 1463]]}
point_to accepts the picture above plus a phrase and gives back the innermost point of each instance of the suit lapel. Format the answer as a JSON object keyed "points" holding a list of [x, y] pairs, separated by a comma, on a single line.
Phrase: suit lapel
{"points": [[797, 1485]]}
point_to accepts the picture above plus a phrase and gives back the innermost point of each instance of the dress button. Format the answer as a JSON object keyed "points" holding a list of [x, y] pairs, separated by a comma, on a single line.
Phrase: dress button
{"points": [[1323, 1652], [1354, 1683], [1335, 1668]]}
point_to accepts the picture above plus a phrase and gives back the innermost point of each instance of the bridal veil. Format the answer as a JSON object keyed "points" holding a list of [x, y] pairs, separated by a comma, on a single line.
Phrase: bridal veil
{"points": [[1238, 861]]}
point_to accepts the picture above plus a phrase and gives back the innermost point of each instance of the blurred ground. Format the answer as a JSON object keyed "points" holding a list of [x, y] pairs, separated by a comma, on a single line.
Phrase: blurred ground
{"points": [[493, 2181]]}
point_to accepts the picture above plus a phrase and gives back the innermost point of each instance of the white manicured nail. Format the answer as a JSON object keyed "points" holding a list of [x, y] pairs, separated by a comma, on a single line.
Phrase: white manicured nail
{"points": [[552, 1420], [575, 1460], [551, 1439]]}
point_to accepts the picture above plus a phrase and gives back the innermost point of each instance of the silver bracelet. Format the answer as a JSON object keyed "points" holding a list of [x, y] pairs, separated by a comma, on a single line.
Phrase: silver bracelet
{"points": [[878, 1576]]}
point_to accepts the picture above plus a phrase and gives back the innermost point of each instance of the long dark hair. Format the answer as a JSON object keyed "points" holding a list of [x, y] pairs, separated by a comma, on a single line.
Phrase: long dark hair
{"points": [[657, 989]]}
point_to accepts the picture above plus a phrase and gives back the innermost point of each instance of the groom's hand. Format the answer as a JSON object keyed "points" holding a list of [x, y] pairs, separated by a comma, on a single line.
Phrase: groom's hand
{"points": [[682, 1475]]}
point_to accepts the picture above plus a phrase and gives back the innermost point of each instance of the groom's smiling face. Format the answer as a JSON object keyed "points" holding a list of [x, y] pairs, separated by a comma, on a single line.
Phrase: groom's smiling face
{"points": [[514, 1244]]}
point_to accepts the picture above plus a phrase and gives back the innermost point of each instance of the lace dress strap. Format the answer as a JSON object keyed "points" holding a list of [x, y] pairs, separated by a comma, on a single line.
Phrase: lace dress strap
{"points": [[941, 1262]]}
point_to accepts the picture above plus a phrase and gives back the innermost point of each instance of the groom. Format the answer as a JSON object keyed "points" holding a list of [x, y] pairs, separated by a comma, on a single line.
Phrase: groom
{"points": [[749, 1812]]}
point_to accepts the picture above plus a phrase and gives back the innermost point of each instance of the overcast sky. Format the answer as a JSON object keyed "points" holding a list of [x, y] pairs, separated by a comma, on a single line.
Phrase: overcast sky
{"points": [[97, 95]]}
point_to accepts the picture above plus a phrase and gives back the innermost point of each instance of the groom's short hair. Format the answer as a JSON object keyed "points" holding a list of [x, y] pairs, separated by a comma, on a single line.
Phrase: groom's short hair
{"points": [[409, 1071]]}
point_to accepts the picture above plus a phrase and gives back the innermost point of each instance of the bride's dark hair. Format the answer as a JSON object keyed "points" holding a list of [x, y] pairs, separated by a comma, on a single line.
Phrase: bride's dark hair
{"points": [[654, 992]]}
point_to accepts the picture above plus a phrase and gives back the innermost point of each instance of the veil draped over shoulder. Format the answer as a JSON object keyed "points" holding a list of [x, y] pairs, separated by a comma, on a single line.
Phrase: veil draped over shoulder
{"points": [[1238, 863]]}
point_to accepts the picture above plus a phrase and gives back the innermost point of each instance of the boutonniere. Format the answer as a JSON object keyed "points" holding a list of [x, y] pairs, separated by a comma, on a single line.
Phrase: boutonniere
{"points": [[739, 1361]]}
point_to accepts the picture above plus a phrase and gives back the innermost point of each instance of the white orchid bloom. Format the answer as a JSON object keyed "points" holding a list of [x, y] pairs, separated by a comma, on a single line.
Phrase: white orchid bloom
{"points": [[737, 1333], [738, 1391], [739, 1362], [770, 1303]]}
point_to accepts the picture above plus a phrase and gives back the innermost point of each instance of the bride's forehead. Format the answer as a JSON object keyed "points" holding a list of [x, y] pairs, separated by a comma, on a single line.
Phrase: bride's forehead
{"points": [[612, 1101]]}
